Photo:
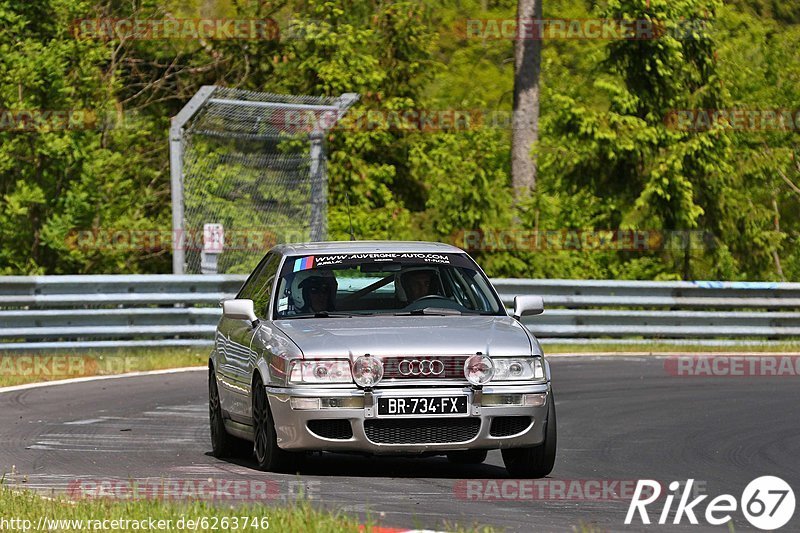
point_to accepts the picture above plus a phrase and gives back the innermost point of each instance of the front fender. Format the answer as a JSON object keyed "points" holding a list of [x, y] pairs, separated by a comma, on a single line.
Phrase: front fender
{"points": [[274, 350]]}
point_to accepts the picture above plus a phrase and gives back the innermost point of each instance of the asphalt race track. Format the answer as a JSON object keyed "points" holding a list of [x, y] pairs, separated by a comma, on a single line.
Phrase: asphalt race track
{"points": [[618, 419]]}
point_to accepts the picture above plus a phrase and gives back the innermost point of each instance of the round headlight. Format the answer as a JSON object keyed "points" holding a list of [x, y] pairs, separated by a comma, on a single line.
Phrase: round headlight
{"points": [[478, 369], [367, 371]]}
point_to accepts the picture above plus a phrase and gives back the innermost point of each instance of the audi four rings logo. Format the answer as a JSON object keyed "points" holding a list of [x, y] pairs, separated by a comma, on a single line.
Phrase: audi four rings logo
{"points": [[417, 367]]}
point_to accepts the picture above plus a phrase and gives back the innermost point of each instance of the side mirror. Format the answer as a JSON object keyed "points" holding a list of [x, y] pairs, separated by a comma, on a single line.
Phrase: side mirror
{"points": [[527, 305], [240, 310]]}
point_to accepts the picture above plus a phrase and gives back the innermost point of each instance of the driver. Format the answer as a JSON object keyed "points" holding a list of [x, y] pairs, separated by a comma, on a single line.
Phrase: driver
{"points": [[418, 283], [317, 291]]}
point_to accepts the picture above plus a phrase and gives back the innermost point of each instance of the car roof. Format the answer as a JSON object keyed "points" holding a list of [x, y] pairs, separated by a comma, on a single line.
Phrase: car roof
{"points": [[345, 247]]}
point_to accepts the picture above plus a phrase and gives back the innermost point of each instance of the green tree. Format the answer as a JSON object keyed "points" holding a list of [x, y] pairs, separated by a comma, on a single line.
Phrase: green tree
{"points": [[642, 172]]}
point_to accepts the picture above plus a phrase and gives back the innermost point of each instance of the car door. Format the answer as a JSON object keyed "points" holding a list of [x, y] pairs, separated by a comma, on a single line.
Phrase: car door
{"points": [[235, 357]]}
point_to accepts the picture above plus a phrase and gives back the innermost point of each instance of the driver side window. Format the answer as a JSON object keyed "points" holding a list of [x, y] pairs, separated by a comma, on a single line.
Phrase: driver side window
{"points": [[259, 287]]}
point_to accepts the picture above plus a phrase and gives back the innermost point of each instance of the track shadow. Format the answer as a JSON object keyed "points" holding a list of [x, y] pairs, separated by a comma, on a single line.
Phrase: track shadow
{"points": [[355, 465]]}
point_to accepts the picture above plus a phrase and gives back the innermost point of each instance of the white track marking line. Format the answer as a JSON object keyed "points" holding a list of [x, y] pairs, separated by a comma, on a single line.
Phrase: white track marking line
{"points": [[83, 422], [27, 386]]}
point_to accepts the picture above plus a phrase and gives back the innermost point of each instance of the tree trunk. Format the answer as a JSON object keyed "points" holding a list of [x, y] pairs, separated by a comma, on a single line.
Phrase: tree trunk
{"points": [[777, 222], [527, 64]]}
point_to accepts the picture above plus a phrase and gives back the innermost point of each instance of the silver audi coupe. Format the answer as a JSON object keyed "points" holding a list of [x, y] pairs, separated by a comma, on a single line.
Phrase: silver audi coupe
{"points": [[379, 347]]}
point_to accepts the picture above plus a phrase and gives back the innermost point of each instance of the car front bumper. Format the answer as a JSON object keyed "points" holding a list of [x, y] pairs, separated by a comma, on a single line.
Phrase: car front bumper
{"points": [[482, 427]]}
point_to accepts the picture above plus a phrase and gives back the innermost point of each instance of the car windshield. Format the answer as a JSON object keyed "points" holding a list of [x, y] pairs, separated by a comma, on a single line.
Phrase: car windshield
{"points": [[366, 284]]}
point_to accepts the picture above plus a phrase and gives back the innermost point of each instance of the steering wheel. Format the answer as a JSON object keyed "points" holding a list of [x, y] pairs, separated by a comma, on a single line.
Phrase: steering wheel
{"points": [[420, 303], [428, 297]]}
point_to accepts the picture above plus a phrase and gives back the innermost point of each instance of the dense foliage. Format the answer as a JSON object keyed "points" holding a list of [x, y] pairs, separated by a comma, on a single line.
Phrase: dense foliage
{"points": [[714, 202]]}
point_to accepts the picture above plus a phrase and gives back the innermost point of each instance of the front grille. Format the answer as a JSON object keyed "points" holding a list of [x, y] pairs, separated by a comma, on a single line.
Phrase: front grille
{"points": [[424, 367], [504, 426], [422, 431], [334, 428]]}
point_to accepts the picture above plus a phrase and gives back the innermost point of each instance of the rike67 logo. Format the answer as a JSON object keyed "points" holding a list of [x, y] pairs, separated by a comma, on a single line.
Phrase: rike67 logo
{"points": [[767, 503]]}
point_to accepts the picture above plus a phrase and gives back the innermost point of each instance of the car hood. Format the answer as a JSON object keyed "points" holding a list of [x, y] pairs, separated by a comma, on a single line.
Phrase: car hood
{"points": [[417, 335]]}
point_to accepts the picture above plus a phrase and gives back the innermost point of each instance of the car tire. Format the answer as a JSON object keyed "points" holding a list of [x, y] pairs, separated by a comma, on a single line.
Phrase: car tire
{"points": [[467, 457], [536, 461], [223, 444], [268, 455]]}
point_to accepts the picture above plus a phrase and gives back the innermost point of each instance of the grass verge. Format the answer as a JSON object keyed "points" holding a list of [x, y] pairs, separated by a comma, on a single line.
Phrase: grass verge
{"points": [[32, 512], [668, 348], [32, 367]]}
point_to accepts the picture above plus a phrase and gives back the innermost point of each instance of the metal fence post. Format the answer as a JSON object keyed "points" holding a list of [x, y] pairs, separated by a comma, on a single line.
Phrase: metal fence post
{"points": [[318, 171], [176, 149], [319, 200], [176, 188]]}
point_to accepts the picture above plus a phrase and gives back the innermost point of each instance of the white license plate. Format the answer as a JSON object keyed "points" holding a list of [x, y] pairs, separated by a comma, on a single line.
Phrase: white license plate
{"points": [[423, 405]]}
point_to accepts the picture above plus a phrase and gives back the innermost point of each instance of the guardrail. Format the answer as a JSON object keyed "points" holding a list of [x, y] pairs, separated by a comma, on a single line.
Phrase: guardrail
{"points": [[703, 312], [41, 312]]}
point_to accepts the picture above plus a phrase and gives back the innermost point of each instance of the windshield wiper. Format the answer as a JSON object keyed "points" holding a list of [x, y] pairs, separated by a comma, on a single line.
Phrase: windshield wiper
{"points": [[435, 311], [322, 314]]}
